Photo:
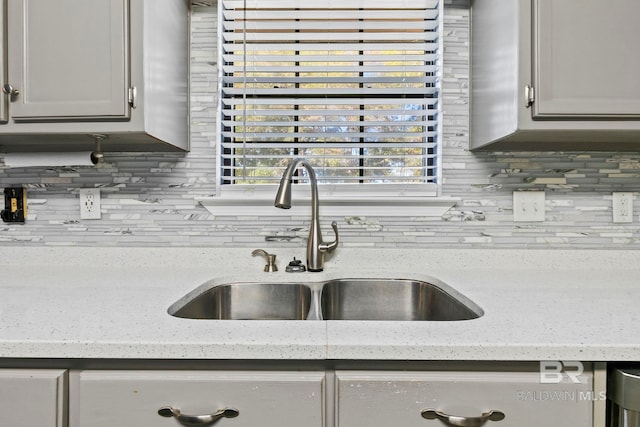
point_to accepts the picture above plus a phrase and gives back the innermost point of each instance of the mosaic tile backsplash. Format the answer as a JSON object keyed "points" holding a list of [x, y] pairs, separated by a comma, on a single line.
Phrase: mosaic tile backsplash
{"points": [[148, 199]]}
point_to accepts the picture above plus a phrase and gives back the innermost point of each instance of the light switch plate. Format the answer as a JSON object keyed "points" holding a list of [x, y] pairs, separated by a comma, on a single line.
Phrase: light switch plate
{"points": [[622, 207], [528, 206]]}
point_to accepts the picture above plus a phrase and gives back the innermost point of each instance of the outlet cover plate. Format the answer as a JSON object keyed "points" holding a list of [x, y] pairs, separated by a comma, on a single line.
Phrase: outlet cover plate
{"points": [[90, 203], [528, 206]]}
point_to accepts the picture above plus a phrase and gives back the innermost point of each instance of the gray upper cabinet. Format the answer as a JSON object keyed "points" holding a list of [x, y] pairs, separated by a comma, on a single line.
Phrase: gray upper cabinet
{"points": [[555, 75], [77, 68], [585, 61], [69, 59], [4, 115]]}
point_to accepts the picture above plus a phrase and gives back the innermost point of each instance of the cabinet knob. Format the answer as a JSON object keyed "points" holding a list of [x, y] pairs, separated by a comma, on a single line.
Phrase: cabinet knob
{"points": [[452, 420], [168, 411], [8, 89]]}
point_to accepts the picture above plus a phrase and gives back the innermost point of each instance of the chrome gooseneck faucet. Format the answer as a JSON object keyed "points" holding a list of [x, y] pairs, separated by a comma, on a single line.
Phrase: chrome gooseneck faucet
{"points": [[316, 248]]}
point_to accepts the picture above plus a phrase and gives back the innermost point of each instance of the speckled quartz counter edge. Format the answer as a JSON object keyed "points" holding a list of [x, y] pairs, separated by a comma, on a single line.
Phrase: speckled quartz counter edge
{"points": [[112, 303]]}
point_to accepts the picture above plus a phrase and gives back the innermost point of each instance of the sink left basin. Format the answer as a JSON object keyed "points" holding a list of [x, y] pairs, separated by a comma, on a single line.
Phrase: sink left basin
{"points": [[248, 301]]}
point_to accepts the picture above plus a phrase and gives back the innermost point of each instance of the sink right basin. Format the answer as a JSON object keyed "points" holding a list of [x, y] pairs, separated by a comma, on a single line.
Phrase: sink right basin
{"points": [[391, 299]]}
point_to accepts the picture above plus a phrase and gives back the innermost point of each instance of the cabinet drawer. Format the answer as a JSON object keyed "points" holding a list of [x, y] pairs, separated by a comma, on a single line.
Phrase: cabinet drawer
{"points": [[32, 397], [399, 398], [133, 398]]}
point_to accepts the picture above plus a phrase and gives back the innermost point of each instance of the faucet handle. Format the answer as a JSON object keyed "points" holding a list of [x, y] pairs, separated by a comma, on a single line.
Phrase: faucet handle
{"points": [[328, 247], [271, 260]]}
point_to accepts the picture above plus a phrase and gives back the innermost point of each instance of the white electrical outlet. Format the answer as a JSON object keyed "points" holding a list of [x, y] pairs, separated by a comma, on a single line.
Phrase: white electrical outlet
{"points": [[528, 206], [622, 207], [90, 203]]}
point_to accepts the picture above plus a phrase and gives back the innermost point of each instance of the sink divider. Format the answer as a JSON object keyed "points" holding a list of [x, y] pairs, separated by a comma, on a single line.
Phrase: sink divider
{"points": [[315, 310]]}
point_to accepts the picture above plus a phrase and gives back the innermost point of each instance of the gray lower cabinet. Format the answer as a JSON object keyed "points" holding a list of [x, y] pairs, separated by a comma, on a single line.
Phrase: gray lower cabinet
{"points": [[72, 69], [555, 75], [474, 398], [33, 397], [158, 398], [342, 398]]}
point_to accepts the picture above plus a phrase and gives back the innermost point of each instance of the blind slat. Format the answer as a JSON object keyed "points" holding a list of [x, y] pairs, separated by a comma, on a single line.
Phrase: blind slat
{"points": [[313, 36], [262, 179], [324, 145], [337, 57], [329, 156], [323, 14], [326, 91], [301, 102], [319, 123], [333, 47], [265, 28], [331, 4], [358, 137], [326, 79], [330, 68]]}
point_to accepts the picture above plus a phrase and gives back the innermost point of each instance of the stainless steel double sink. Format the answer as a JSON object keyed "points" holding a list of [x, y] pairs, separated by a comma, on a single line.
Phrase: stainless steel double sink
{"points": [[336, 299]]}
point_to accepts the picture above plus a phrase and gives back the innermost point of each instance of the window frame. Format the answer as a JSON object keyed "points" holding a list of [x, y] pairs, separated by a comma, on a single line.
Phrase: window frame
{"points": [[376, 195]]}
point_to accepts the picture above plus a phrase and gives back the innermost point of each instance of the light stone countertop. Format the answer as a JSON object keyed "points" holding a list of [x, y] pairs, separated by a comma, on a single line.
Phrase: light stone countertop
{"points": [[111, 303]]}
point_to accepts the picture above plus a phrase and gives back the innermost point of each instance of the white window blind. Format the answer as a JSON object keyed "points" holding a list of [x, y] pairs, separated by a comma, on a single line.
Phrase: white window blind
{"points": [[351, 85]]}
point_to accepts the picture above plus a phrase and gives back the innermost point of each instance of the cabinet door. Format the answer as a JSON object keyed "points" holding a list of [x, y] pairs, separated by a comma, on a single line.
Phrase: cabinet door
{"points": [[68, 59], [386, 399], [3, 61], [32, 397], [585, 58], [133, 398]]}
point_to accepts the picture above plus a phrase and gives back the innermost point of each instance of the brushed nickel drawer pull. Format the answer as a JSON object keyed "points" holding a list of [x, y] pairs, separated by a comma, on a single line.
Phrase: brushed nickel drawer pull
{"points": [[168, 411], [452, 420]]}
